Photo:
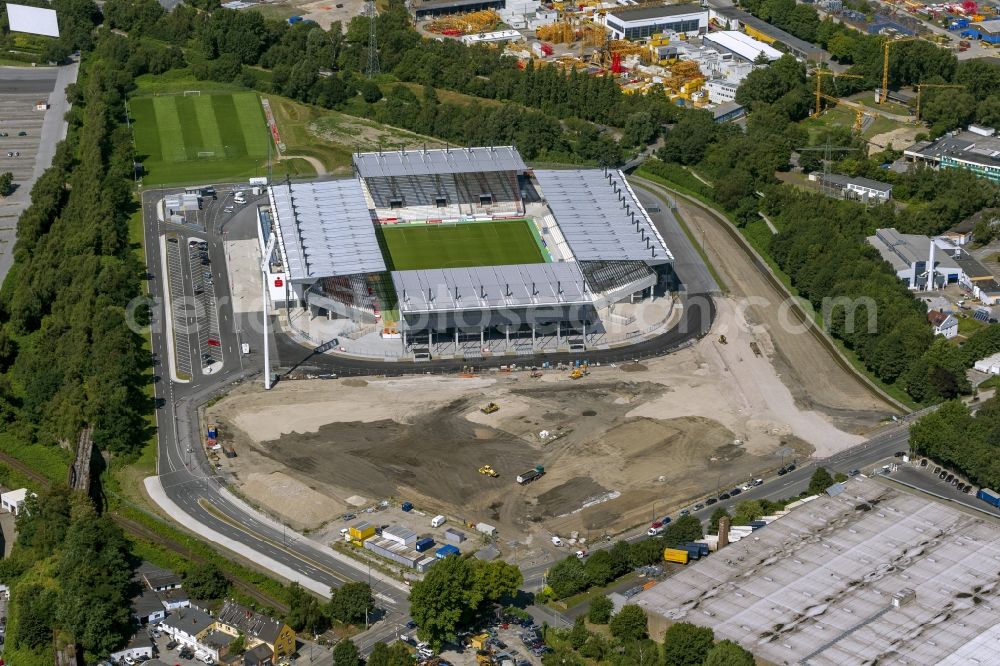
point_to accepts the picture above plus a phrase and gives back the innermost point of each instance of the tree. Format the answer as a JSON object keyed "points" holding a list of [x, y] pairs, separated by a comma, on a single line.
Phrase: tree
{"points": [[496, 580], [713, 522], [6, 184], [447, 595], [351, 602], [578, 635], [600, 610], [567, 577], [728, 653], [820, 481], [370, 92], [599, 567], [685, 644], [395, 654], [305, 611], [682, 530], [629, 624], [205, 581], [345, 653], [239, 644], [747, 510]]}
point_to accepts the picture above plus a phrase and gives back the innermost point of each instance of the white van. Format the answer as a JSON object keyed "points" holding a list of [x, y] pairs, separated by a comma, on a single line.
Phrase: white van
{"points": [[438, 521]]}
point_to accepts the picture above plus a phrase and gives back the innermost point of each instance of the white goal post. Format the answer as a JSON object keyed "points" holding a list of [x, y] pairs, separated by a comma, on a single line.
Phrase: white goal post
{"points": [[206, 153], [191, 93]]}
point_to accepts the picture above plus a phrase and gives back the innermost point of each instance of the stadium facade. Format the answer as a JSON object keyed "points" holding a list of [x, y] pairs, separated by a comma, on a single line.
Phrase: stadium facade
{"points": [[466, 243]]}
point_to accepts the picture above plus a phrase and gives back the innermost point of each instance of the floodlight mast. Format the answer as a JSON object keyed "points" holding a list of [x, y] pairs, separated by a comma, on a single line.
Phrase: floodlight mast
{"points": [[263, 270]]}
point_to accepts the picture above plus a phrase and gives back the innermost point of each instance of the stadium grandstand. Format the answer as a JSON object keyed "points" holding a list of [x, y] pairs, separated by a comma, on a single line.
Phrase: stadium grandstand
{"points": [[467, 244]]}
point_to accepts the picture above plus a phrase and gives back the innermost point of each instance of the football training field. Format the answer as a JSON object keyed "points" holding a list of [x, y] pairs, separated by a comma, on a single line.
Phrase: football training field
{"points": [[409, 247], [190, 139]]}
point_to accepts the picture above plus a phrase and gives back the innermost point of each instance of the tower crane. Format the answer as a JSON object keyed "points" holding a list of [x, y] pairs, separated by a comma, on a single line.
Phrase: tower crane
{"points": [[820, 73], [921, 86], [885, 65]]}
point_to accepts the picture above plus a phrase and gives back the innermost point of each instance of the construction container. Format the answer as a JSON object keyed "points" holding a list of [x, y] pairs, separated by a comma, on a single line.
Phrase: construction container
{"points": [[757, 524], [486, 529], [453, 535], [678, 555], [423, 544], [703, 548], [361, 530], [694, 552], [446, 550], [292, 20]]}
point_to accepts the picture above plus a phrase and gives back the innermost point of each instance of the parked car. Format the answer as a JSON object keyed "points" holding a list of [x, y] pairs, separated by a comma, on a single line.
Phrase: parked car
{"points": [[171, 645], [923, 463], [723, 496], [782, 471], [710, 501], [735, 491], [854, 472], [698, 507]]}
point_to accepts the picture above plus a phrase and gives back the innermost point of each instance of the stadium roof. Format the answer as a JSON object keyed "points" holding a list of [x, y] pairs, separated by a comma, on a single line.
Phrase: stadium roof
{"points": [[325, 229], [387, 164], [600, 217], [490, 287], [875, 575]]}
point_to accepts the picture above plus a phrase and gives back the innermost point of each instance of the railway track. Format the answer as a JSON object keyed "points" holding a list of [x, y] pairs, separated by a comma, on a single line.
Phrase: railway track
{"points": [[140, 531]]}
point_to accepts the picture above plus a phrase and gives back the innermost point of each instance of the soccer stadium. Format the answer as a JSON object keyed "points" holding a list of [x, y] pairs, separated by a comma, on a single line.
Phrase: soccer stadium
{"points": [[466, 245]]}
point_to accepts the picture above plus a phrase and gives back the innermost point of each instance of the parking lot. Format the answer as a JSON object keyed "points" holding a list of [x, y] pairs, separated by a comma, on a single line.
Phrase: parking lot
{"points": [[20, 131]]}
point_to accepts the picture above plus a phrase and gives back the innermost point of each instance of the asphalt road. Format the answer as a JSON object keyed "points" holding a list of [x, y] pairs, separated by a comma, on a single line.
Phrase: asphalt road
{"points": [[185, 473]]}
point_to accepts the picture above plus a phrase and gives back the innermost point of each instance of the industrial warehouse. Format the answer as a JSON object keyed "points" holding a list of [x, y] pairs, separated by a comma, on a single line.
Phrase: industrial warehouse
{"points": [[863, 574], [464, 245]]}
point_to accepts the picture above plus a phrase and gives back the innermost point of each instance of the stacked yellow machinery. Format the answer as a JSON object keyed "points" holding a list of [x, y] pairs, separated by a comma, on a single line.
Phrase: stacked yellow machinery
{"points": [[466, 24]]}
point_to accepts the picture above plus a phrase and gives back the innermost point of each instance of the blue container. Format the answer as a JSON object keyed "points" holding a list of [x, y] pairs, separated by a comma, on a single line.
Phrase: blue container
{"points": [[445, 551], [292, 20], [757, 524], [693, 551], [702, 548], [423, 544], [407, 506]]}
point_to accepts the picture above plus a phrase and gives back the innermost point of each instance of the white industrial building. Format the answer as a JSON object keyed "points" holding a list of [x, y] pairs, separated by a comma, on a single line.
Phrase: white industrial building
{"points": [[721, 91], [642, 22], [492, 37], [990, 365], [873, 575], [12, 501], [742, 45]]}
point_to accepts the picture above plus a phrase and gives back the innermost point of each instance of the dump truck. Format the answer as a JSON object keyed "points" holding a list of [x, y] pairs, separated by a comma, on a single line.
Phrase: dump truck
{"points": [[678, 555], [490, 408], [530, 475]]}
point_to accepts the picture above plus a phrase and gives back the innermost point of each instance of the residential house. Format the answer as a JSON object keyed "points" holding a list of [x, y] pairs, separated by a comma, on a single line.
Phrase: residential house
{"points": [[234, 619], [147, 607], [216, 642], [258, 656], [140, 645], [944, 324], [187, 626]]}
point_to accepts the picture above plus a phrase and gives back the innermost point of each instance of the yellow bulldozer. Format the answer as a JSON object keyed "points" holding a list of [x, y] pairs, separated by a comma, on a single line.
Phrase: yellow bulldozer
{"points": [[579, 372], [488, 471], [490, 408]]}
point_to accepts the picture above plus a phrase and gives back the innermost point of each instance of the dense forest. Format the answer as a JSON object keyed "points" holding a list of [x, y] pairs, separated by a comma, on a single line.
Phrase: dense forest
{"points": [[955, 437]]}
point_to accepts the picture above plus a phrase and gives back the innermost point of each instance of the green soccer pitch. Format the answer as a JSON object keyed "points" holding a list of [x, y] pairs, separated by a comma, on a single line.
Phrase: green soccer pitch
{"points": [[207, 137], [408, 247]]}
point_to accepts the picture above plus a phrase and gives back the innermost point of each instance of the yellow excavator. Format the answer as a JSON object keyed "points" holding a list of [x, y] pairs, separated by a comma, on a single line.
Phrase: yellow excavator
{"points": [[490, 408]]}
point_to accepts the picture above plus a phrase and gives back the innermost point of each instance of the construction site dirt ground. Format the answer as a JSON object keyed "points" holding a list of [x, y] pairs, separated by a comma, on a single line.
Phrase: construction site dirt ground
{"points": [[623, 443]]}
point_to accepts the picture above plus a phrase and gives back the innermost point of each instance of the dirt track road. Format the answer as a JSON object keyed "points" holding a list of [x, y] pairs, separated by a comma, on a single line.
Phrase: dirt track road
{"points": [[815, 377]]}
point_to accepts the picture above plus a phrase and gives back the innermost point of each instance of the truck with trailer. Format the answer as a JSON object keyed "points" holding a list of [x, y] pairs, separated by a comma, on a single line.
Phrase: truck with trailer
{"points": [[530, 475], [989, 496], [678, 555]]}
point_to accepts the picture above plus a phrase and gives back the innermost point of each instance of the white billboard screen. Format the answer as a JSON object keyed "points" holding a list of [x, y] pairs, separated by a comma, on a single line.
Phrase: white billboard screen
{"points": [[34, 20]]}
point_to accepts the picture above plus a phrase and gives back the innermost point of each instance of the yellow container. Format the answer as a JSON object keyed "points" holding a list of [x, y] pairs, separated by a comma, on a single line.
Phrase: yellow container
{"points": [[675, 555]]}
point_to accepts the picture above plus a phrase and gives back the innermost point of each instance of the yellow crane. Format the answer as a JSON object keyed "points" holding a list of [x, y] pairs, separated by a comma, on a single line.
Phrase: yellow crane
{"points": [[859, 111], [820, 73], [885, 65], [921, 86]]}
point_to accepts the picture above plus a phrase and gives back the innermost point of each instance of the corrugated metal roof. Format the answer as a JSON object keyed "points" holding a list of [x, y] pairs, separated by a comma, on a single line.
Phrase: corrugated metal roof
{"points": [[654, 12], [490, 287], [600, 217], [325, 229], [445, 160]]}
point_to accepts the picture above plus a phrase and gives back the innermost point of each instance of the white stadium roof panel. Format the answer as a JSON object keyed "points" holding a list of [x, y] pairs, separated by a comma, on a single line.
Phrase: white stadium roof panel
{"points": [[399, 163], [600, 217], [490, 287], [326, 229], [33, 20]]}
